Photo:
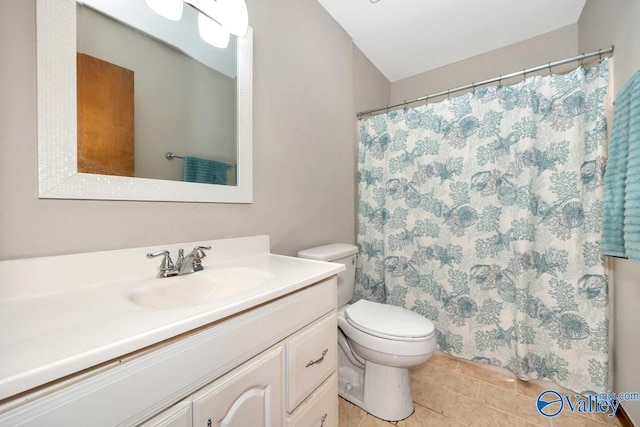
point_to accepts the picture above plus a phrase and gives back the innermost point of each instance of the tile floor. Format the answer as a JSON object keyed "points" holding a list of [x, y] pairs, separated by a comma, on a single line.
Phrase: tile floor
{"points": [[452, 393]]}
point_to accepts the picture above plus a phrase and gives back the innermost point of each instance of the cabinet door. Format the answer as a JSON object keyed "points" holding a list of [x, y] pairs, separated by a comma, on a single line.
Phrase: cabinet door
{"points": [[250, 395]]}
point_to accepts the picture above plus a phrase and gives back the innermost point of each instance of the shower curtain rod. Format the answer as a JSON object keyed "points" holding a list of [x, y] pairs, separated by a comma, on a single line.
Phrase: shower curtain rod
{"points": [[581, 57]]}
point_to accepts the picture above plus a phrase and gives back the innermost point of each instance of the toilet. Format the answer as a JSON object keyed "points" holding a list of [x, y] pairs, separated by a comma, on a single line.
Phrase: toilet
{"points": [[377, 343]]}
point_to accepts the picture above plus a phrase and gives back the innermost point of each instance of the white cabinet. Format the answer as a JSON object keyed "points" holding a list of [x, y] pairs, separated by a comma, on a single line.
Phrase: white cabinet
{"points": [[250, 370], [251, 395]]}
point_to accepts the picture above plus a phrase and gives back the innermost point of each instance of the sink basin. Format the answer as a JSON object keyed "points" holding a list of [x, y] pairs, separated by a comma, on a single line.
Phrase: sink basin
{"points": [[199, 288]]}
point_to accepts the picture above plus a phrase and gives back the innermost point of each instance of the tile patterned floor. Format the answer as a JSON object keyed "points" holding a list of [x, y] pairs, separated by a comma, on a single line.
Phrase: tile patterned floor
{"points": [[452, 393]]}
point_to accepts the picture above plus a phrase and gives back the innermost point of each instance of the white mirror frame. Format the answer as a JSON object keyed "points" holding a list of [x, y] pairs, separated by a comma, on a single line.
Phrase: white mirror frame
{"points": [[58, 176]]}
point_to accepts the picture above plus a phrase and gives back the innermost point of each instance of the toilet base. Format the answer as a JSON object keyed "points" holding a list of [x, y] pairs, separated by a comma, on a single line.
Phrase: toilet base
{"points": [[350, 386], [382, 391], [350, 373], [387, 394]]}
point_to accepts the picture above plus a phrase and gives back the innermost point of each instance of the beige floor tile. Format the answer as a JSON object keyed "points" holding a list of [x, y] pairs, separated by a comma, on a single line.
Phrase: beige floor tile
{"points": [[429, 395], [426, 417], [371, 421], [525, 423], [443, 379], [415, 373], [505, 380], [534, 388], [349, 415], [474, 413], [569, 419], [516, 404], [605, 419], [443, 360]]}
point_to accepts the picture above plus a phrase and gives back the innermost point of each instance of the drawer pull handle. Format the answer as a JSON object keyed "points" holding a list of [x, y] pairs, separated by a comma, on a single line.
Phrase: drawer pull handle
{"points": [[324, 417], [313, 362]]}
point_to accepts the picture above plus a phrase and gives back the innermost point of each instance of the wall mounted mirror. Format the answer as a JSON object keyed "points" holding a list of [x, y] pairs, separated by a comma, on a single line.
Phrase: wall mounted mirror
{"points": [[168, 116]]}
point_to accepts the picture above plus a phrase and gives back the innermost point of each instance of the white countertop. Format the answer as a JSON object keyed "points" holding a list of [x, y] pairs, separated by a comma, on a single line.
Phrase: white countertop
{"points": [[57, 329]]}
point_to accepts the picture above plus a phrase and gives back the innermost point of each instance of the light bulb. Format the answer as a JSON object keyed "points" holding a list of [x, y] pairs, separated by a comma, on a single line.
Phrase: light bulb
{"points": [[170, 9], [212, 32], [233, 16]]}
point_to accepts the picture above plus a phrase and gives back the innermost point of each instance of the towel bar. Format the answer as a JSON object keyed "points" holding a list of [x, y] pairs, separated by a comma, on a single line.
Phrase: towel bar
{"points": [[171, 156]]}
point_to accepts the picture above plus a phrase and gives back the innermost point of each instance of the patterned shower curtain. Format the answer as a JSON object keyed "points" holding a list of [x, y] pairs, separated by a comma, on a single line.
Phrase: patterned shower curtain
{"points": [[483, 214]]}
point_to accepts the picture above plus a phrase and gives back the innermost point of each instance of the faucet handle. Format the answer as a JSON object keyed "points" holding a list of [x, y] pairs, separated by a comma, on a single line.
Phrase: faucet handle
{"points": [[198, 254], [167, 269], [199, 251]]}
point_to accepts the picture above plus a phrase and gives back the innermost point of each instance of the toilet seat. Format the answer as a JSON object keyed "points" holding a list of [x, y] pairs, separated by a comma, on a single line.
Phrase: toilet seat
{"points": [[388, 321]]}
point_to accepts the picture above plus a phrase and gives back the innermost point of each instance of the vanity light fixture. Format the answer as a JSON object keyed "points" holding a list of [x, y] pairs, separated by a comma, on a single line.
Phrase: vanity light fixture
{"points": [[217, 19], [212, 32]]}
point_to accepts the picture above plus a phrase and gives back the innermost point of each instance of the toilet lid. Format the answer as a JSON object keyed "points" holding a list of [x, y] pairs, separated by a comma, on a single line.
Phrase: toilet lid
{"points": [[388, 321]]}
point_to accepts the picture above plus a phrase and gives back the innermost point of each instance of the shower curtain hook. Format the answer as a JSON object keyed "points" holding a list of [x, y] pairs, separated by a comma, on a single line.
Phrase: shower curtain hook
{"points": [[500, 80], [582, 59], [599, 54], [549, 68], [405, 105], [524, 73], [473, 87], [448, 92]]}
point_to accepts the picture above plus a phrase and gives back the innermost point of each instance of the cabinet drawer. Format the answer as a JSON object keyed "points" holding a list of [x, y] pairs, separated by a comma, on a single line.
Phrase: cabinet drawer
{"points": [[178, 415], [321, 409], [311, 357]]}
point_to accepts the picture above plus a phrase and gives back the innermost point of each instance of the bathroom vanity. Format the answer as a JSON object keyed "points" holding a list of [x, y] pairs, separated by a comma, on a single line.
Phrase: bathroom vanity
{"points": [[253, 345]]}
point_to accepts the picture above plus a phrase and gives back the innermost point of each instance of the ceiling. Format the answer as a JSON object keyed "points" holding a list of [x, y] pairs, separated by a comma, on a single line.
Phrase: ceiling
{"points": [[407, 37]]}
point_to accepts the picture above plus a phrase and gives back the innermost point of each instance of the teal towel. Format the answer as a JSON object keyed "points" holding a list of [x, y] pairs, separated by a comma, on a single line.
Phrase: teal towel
{"points": [[621, 210], [204, 171]]}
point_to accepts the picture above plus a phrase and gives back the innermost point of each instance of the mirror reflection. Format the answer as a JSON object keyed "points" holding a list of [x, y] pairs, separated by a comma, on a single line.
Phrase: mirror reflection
{"points": [[154, 99]]}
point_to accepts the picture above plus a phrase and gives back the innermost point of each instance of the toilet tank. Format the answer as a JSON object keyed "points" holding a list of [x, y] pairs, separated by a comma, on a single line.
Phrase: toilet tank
{"points": [[342, 253]]}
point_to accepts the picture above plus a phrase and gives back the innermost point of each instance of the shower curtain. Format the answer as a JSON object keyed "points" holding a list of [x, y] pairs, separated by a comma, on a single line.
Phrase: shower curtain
{"points": [[483, 214]]}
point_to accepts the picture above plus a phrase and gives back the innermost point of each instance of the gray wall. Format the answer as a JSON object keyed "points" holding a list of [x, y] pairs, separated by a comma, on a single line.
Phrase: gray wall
{"points": [[303, 148], [371, 88], [604, 23], [539, 50]]}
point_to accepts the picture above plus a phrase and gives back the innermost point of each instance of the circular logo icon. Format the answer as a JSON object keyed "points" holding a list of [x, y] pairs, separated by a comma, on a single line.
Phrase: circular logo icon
{"points": [[549, 403]]}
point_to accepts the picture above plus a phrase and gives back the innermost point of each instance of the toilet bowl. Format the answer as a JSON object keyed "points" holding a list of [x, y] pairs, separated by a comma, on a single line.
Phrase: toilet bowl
{"points": [[377, 344]]}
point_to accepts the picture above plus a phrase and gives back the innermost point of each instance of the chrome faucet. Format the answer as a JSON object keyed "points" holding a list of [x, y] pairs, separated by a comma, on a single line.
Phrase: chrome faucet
{"points": [[188, 264], [192, 262]]}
